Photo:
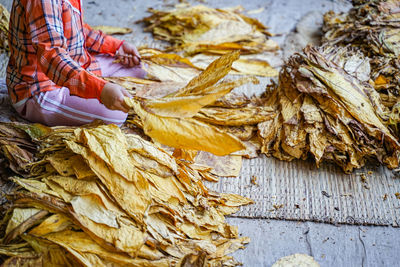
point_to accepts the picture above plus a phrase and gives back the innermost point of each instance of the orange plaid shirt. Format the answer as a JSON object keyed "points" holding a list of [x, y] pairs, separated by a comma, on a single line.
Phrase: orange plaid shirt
{"points": [[51, 47]]}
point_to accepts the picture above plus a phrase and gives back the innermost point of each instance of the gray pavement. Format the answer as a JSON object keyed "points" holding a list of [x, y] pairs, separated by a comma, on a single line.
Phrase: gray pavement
{"points": [[330, 245]]}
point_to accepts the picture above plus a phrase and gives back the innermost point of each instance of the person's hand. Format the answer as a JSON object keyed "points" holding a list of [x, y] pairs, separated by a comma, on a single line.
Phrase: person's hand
{"points": [[112, 97], [128, 55]]}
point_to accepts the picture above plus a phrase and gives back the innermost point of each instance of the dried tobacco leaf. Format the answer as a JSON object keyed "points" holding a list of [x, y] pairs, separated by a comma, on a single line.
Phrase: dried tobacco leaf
{"points": [[89, 253], [112, 29], [182, 107], [226, 166], [52, 255], [245, 65], [19, 216], [190, 105], [186, 133], [218, 69], [19, 250], [127, 195], [250, 115], [161, 66], [148, 150]]}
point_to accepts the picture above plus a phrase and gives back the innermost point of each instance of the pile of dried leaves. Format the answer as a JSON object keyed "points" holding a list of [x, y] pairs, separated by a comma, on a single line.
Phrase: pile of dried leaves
{"points": [[328, 112], [97, 196], [162, 66], [196, 29], [204, 33], [94, 196], [373, 28]]}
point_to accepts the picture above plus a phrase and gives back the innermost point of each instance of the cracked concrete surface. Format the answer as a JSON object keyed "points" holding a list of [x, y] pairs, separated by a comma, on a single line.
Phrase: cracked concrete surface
{"points": [[307, 239], [364, 252], [330, 245]]}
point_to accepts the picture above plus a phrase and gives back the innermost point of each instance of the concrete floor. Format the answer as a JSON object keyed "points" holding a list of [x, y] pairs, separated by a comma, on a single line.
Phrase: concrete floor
{"points": [[330, 245]]}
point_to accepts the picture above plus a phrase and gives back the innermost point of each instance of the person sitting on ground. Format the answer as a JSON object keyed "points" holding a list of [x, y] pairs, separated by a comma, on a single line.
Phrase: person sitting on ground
{"points": [[56, 64]]}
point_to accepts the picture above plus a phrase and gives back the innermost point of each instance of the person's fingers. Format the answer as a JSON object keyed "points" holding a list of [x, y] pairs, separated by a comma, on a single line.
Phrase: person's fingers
{"points": [[126, 61], [131, 62], [136, 52], [136, 60], [121, 106], [126, 107], [112, 107], [131, 50]]}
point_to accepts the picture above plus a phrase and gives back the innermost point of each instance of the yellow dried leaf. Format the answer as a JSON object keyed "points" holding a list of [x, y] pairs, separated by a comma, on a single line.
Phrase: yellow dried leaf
{"points": [[357, 104], [235, 200], [19, 216], [218, 69], [127, 237], [188, 106], [186, 133], [230, 246], [159, 89], [34, 186], [92, 207], [17, 250], [84, 188], [221, 166], [245, 65], [54, 223], [109, 144], [149, 165], [91, 254], [67, 164], [235, 117], [181, 107], [112, 29], [166, 73], [149, 150], [126, 193], [164, 189], [254, 66], [52, 255], [161, 58]]}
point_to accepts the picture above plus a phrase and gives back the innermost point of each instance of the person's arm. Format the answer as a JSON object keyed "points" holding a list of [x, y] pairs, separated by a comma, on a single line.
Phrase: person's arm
{"points": [[98, 42], [44, 19], [46, 28]]}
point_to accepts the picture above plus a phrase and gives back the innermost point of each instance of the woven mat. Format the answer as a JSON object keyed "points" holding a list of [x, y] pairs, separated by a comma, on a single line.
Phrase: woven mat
{"points": [[299, 191]]}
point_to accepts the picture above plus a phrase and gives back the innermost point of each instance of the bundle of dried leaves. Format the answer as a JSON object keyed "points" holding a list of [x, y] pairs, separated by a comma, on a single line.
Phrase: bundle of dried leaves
{"points": [[373, 27], [203, 33], [95, 196], [202, 115], [201, 28], [163, 66], [328, 113]]}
